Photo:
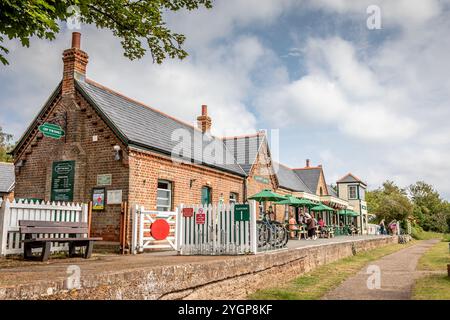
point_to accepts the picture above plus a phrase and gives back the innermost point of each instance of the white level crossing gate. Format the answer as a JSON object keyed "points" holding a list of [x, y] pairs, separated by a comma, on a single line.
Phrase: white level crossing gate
{"points": [[219, 229], [150, 233]]}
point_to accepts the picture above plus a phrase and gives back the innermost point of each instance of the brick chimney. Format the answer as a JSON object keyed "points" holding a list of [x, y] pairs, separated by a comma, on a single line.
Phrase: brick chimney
{"points": [[204, 121], [75, 61], [307, 163]]}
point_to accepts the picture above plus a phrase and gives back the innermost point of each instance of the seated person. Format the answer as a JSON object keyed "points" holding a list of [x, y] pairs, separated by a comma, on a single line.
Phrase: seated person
{"points": [[321, 224], [293, 226]]}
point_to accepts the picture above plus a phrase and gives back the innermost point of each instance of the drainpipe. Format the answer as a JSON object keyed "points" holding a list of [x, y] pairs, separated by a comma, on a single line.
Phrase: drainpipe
{"points": [[245, 190]]}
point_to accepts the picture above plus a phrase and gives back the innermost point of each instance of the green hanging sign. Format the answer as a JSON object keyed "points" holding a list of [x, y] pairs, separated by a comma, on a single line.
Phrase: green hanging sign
{"points": [[51, 130], [262, 179], [241, 212]]}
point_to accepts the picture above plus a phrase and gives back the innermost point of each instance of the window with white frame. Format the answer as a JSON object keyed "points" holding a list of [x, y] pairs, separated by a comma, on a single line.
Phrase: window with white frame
{"points": [[164, 196], [233, 197], [352, 192]]}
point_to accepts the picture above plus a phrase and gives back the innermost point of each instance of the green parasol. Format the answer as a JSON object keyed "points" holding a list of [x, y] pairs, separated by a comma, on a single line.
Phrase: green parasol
{"points": [[267, 195], [347, 212], [296, 202], [321, 207]]}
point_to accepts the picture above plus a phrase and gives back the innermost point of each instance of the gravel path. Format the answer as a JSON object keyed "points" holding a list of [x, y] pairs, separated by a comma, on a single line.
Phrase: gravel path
{"points": [[398, 273]]}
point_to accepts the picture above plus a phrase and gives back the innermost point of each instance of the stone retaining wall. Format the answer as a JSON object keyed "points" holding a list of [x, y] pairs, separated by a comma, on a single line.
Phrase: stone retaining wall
{"points": [[225, 279]]}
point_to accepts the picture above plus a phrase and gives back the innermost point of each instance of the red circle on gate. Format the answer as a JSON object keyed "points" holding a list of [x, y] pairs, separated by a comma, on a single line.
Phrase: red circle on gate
{"points": [[160, 229]]}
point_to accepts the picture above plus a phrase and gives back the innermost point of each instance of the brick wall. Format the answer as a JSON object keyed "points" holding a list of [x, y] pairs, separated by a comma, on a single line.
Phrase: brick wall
{"points": [[147, 168], [263, 168], [33, 180]]}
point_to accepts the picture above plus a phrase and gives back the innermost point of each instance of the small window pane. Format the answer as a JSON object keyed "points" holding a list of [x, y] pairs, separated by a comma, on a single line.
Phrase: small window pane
{"points": [[163, 185], [233, 197], [164, 196], [352, 192]]}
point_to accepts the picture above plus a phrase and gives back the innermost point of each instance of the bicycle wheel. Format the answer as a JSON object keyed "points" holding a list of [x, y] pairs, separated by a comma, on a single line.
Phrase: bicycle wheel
{"points": [[285, 236], [263, 233], [280, 235]]}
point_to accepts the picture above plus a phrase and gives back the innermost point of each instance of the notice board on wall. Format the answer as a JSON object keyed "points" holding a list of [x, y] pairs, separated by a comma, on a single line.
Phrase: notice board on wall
{"points": [[63, 181]]}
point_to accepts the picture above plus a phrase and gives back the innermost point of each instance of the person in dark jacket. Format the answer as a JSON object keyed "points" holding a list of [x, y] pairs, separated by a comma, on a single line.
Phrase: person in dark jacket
{"points": [[311, 225], [382, 227]]}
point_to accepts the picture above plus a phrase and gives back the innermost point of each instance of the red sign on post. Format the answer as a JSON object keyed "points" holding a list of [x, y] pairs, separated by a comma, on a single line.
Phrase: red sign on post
{"points": [[188, 212], [200, 217]]}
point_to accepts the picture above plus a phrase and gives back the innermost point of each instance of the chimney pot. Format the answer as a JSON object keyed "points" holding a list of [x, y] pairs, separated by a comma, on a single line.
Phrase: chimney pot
{"points": [[75, 61], [76, 36], [307, 163], [204, 121]]}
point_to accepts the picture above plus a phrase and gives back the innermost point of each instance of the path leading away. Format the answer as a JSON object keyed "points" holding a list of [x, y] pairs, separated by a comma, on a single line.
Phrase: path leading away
{"points": [[397, 275]]}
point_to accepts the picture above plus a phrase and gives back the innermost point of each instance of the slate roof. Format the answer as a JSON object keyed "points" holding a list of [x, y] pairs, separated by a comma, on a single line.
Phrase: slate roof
{"points": [[350, 178], [289, 180], [7, 177], [245, 149], [148, 128], [310, 176], [332, 192]]}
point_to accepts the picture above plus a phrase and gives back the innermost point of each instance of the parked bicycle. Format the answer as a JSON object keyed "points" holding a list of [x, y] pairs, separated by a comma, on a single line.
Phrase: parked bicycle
{"points": [[272, 233]]}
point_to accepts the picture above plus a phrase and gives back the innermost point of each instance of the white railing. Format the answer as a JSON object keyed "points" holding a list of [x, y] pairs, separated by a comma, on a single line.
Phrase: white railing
{"points": [[220, 234], [12, 212], [142, 230]]}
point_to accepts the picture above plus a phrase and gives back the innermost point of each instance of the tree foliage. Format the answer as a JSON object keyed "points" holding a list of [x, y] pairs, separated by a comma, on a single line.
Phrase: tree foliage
{"points": [[389, 202], [420, 203], [5, 146], [138, 23], [431, 212]]}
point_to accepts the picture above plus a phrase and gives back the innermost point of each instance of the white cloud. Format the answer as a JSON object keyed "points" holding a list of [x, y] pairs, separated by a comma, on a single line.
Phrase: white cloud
{"points": [[380, 111], [339, 91], [408, 14]]}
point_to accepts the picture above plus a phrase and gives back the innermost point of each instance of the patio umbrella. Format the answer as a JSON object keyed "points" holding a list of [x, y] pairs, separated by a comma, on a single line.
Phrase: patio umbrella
{"points": [[349, 213], [320, 208], [295, 202], [267, 195]]}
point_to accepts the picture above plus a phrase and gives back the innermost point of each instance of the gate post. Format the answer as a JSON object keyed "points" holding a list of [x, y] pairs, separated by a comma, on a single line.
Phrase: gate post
{"points": [[179, 228], [141, 230], [253, 241], [4, 224], [135, 229]]}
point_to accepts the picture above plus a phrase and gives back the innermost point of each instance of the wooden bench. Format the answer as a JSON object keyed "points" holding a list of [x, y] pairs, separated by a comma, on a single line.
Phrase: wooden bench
{"points": [[73, 229]]}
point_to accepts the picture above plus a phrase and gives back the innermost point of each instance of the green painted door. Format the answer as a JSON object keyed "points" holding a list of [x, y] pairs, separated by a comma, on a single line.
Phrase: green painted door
{"points": [[206, 195]]}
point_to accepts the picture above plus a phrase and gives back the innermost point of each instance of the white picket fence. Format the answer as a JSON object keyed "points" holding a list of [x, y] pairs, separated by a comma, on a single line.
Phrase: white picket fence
{"points": [[142, 238], [219, 235], [373, 229], [12, 212]]}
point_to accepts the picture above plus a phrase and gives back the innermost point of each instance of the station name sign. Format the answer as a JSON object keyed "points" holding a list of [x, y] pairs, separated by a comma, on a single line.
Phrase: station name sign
{"points": [[51, 130]]}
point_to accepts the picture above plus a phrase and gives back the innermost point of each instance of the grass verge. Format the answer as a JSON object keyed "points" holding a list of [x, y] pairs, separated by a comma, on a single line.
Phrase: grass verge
{"points": [[436, 258], [419, 234], [313, 285], [436, 286]]}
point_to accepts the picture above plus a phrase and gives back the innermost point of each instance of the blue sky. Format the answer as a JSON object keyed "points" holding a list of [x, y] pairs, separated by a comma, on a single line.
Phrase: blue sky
{"points": [[372, 102]]}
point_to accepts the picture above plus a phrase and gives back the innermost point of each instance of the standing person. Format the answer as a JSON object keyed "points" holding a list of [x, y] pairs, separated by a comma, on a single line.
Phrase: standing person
{"points": [[393, 227], [271, 214], [382, 227], [311, 227]]}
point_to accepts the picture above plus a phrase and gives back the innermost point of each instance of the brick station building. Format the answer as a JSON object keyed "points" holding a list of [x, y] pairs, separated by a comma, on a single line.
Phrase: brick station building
{"points": [[89, 141]]}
